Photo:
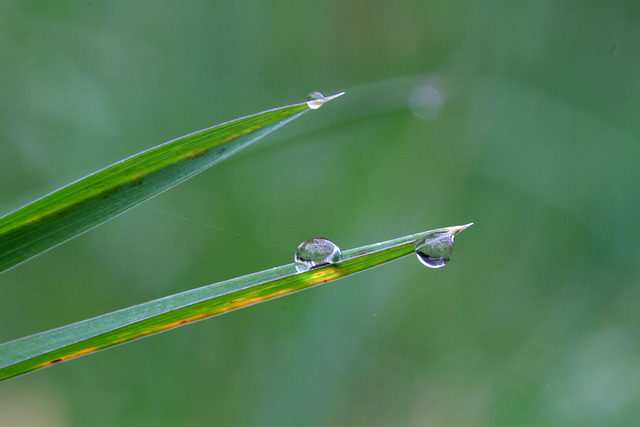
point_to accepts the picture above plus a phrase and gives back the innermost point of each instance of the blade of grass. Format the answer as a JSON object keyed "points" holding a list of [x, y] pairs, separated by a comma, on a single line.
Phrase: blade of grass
{"points": [[47, 348], [96, 198]]}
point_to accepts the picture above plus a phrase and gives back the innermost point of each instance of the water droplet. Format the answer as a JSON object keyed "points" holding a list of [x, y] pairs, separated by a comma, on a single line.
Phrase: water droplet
{"points": [[315, 253], [315, 100], [435, 252], [426, 100]]}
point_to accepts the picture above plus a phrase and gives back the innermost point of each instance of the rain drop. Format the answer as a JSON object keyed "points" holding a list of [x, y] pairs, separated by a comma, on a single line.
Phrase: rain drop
{"points": [[427, 99], [315, 100], [316, 253], [435, 252]]}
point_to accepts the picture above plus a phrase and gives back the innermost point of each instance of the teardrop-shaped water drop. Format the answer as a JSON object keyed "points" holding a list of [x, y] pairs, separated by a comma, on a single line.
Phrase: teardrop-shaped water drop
{"points": [[315, 253], [315, 100], [431, 261], [435, 252]]}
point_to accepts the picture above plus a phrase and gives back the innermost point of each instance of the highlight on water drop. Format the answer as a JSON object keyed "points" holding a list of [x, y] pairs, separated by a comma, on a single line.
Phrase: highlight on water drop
{"points": [[316, 252], [315, 100], [431, 261], [435, 250]]}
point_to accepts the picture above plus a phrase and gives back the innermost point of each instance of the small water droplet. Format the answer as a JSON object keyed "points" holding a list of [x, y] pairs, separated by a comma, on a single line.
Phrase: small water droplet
{"points": [[315, 253], [435, 252], [427, 99], [315, 100]]}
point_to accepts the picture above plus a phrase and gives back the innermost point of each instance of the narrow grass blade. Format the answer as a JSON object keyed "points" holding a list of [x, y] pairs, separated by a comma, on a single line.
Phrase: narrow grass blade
{"points": [[47, 348], [83, 204]]}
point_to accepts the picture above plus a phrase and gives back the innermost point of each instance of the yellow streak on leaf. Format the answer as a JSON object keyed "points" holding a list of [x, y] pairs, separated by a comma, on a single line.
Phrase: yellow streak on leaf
{"points": [[68, 356]]}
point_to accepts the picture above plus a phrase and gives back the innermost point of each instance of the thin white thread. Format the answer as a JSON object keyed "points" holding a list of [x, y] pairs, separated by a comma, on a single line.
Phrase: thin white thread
{"points": [[264, 242]]}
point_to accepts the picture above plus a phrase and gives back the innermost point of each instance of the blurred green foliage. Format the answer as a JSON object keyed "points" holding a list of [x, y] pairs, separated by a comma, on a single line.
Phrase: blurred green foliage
{"points": [[521, 117]]}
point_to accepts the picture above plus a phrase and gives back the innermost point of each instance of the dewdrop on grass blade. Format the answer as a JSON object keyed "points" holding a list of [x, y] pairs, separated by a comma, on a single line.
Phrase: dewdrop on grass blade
{"points": [[438, 255], [315, 100], [435, 252], [316, 253]]}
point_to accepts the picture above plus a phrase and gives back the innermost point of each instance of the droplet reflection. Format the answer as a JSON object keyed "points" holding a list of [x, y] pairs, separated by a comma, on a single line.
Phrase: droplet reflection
{"points": [[315, 100], [430, 261], [436, 251], [315, 253]]}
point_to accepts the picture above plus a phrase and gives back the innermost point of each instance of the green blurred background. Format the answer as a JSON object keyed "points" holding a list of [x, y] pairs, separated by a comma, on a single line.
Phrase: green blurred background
{"points": [[520, 117]]}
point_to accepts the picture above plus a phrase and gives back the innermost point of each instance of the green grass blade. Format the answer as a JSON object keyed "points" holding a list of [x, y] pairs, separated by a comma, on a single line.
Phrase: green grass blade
{"points": [[96, 198], [47, 348]]}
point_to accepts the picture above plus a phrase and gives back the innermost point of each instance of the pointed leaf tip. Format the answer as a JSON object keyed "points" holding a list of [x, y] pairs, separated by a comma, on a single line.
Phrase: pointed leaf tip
{"points": [[329, 98], [459, 228]]}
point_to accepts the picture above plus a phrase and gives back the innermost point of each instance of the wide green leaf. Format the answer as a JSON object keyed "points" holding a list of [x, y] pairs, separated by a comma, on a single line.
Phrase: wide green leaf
{"points": [[96, 198], [47, 348]]}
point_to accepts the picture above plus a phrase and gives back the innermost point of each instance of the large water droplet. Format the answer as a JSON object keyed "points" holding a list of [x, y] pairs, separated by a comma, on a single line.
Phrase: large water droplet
{"points": [[435, 252], [315, 253], [315, 100]]}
